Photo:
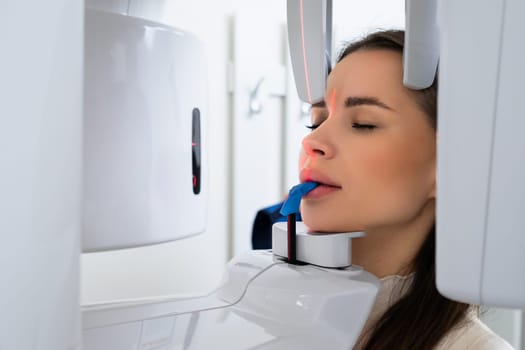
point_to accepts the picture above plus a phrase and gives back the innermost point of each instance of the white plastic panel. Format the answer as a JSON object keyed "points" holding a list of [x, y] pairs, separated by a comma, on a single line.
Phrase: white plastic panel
{"points": [[143, 83], [270, 305], [332, 250], [120, 336], [468, 80], [40, 166], [421, 53], [503, 281], [481, 164], [309, 30]]}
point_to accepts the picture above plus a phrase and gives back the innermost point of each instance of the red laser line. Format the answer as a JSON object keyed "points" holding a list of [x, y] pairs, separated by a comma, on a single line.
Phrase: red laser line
{"points": [[331, 105], [304, 54]]}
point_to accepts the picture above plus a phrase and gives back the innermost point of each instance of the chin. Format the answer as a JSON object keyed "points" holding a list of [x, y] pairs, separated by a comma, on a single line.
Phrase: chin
{"points": [[325, 226], [312, 225], [321, 226]]}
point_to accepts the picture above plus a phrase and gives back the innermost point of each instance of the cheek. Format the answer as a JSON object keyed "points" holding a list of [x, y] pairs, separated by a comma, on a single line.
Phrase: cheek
{"points": [[395, 161], [390, 183]]}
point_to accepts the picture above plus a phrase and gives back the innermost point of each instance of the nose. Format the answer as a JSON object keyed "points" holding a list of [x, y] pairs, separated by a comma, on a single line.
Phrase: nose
{"points": [[316, 145]]}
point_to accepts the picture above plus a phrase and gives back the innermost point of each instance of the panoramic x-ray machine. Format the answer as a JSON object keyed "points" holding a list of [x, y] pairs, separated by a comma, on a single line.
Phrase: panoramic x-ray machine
{"points": [[141, 134]]}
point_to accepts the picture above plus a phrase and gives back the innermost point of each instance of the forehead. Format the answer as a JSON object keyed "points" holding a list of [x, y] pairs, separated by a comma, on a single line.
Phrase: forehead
{"points": [[372, 72]]}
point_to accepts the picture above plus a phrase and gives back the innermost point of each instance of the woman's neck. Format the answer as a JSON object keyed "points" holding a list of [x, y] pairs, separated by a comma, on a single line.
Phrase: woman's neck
{"points": [[390, 250]]}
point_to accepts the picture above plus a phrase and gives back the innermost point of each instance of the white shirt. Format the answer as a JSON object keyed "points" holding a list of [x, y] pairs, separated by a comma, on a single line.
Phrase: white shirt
{"points": [[473, 335]]}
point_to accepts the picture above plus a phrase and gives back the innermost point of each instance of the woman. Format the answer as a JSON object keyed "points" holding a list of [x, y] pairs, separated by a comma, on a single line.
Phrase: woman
{"points": [[373, 149]]}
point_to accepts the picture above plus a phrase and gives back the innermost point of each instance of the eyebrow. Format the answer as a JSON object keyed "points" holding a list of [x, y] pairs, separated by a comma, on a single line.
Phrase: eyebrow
{"points": [[354, 101], [366, 100]]}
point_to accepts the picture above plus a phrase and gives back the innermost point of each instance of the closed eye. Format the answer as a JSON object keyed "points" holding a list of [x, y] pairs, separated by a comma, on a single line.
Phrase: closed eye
{"points": [[354, 125], [313, 126], [363, 127]]}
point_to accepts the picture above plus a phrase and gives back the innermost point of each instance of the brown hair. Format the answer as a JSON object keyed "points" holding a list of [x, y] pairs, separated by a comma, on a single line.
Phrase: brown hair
{"points": [[422, 317]]}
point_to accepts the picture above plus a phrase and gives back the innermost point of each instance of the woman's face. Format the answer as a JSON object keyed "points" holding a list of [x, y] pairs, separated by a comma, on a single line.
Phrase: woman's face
{"points": [[373, 149]]}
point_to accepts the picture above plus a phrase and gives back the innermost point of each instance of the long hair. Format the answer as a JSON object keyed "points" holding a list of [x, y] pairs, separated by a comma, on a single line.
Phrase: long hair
{"points": [[422, 317]]}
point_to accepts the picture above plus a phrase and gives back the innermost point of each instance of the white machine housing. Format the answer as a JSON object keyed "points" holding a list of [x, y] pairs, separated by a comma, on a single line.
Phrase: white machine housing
{"points": [[144, 133], [41, 169], [310, 40], [333, 250], [481, 160], [263, 303], [481, 153]]}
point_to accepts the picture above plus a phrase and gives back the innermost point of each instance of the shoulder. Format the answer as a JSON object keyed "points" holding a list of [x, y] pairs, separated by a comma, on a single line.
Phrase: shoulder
{"points": [[473, 335]]}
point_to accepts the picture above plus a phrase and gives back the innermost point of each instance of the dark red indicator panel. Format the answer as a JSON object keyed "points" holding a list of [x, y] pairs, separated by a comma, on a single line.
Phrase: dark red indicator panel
{"points": [[196, 150]]}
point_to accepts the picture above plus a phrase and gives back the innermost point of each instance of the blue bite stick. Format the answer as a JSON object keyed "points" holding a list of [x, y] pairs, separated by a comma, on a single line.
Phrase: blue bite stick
{"points": [[291, 204], [290, 208]]}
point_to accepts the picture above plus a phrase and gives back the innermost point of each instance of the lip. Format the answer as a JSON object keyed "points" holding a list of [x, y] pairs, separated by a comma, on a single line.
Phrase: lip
{"points": [[316, 176], [326, 185], [321, 191]]}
